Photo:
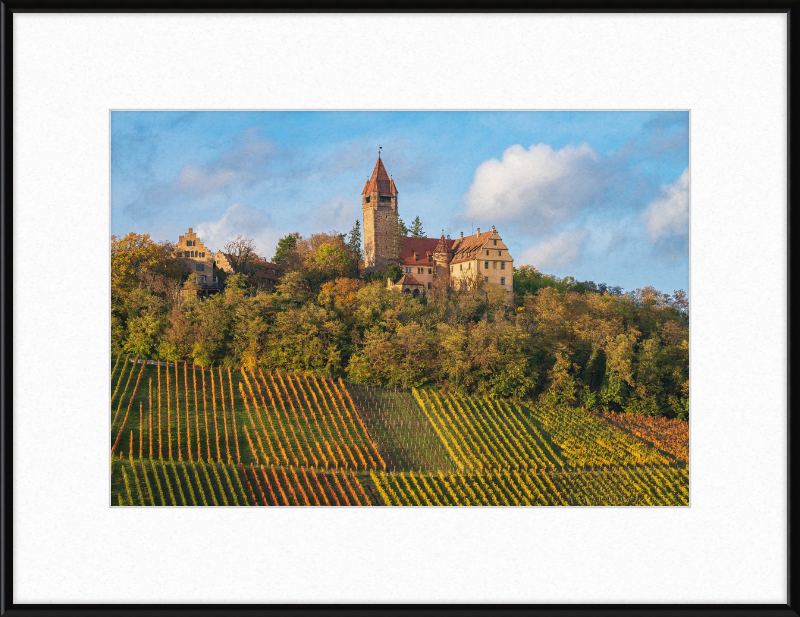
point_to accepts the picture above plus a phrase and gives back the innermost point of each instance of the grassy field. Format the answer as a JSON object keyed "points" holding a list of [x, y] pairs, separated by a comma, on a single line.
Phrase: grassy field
{"points": [[184, 435]]}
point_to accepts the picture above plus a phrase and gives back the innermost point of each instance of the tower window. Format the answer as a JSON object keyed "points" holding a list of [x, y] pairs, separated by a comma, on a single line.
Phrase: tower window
{"points": [[367, 199], [429, 285], [430, 270], [495, 242], [487, 253], [486, 279], [499, 252], [485, 265], [502, 280], [502, 265]]}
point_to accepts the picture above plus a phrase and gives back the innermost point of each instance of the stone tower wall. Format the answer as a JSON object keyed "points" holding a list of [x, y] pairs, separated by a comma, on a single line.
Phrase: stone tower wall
{"points": [[381, 243], [442, 266]]}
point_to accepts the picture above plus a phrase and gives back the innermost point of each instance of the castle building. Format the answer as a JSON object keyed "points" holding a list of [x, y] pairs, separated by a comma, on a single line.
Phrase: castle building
{"points": [[204, 266], [198, 259], [379, 204], [424, 261]]}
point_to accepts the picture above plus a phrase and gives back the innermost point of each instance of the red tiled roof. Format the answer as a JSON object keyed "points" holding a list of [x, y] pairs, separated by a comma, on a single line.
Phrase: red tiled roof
{"points": [[468, 247], [408, 279], [422, 247], [380, 181], [444, 245]]}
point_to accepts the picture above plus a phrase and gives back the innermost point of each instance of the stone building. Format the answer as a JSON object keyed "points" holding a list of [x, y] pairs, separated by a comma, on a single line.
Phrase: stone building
{"points": [[424, 261], [483, 256], [407, 284], [379, 205], [199, 260], [204, 266]]}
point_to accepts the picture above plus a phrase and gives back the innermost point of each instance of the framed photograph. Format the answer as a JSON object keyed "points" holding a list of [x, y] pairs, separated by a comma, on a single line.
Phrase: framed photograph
{"points": [[320, 260]]}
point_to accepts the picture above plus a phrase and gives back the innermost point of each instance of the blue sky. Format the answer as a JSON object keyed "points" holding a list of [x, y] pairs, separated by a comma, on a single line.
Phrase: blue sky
{"points": [[600, 196]]}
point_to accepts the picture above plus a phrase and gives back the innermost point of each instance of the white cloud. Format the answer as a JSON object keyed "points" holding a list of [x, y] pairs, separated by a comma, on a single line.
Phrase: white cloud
{"points": [[338, 214], [669, 214], [239, 219], [559, 252], [535, 187], [245, 164], [196, 179]]}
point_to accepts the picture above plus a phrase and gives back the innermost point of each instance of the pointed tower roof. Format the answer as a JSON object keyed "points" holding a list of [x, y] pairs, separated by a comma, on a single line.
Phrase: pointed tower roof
{"points": [[442, 246], [380, 181]]}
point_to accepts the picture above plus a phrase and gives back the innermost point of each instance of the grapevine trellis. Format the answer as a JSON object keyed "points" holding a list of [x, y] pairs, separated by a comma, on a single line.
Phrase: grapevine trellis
{"points": [[189, 435]]}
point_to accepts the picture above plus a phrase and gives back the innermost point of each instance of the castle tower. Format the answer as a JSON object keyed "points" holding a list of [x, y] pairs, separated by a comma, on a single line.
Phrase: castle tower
{"points": [[379, 203], [442, 256]]}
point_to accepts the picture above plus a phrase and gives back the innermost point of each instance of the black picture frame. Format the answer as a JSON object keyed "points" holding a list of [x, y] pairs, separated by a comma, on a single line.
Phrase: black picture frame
{"points": [[8, 8]]}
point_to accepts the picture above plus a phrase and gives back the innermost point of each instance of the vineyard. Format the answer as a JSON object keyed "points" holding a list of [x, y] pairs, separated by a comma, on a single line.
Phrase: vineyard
{"points": [[184, 435]]}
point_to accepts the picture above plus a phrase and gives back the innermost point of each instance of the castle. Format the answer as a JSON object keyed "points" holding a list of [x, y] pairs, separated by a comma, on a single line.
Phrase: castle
{"points": [[427, 261], [204, 266]]}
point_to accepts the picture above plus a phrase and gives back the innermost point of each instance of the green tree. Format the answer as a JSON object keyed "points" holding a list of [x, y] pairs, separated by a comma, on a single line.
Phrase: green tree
{"points": [[284, 252], [354, 240], [416, 229], [393, 272]]}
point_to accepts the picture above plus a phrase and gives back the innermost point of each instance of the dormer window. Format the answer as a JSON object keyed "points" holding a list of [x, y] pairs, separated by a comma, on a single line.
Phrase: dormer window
{"points": [[416, 256]]}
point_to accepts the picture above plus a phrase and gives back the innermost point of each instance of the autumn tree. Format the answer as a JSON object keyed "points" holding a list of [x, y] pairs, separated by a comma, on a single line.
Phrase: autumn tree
{"points": [[137, 261]]}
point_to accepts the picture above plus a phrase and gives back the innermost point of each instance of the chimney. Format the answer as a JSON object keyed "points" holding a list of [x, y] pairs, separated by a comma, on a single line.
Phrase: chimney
{"points": [[462, 234], [479, 231]]}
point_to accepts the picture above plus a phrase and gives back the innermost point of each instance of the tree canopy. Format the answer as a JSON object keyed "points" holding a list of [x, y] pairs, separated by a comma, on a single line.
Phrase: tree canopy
{"points": [[556, 340], [416, 229]]}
